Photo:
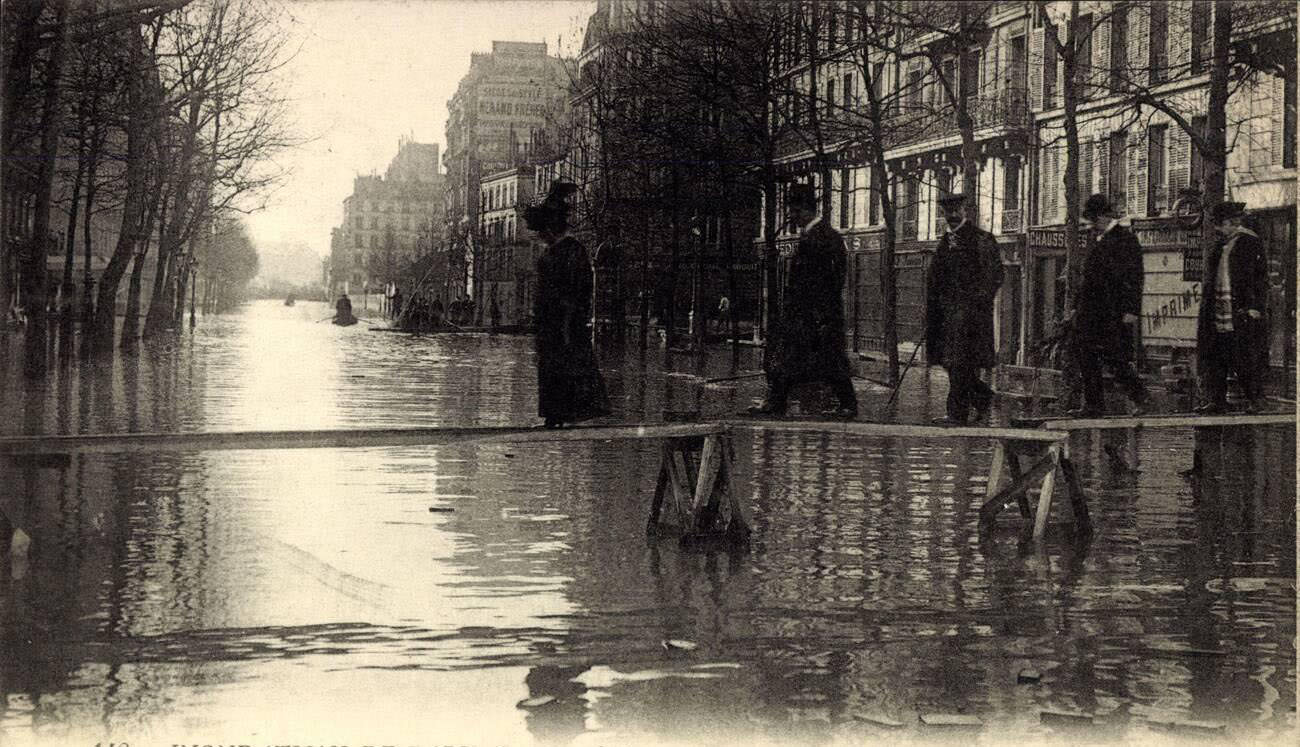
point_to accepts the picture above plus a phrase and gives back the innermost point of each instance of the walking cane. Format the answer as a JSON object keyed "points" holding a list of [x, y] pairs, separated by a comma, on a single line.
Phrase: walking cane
{"points": [[902, 375]]}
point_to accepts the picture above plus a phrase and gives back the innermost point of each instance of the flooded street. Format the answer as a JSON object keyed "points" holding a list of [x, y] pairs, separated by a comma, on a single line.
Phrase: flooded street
{"points": [[312, 596]]}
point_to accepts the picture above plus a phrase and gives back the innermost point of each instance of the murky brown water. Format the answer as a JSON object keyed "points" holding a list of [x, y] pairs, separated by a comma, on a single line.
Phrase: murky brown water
{"points": [[309, 597]]}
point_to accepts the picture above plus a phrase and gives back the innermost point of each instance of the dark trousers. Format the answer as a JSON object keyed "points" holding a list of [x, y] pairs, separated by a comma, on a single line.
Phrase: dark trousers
{"points": [[966, 390], [1094, 355], [779, 386], [1234, 352]]}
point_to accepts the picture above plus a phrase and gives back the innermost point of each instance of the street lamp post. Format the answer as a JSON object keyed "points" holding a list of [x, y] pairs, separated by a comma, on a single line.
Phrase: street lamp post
{"points": [[194, 286]]}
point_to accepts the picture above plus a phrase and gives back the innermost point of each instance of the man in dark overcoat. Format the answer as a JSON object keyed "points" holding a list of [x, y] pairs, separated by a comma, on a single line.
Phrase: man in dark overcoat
{"points": [[809, 342], [1231, 331], [965, 276], [1108, 304]]}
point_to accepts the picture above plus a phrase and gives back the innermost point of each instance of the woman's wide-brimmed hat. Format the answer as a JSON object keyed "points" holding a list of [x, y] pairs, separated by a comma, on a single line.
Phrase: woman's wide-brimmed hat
{"points": [[554, 205]]}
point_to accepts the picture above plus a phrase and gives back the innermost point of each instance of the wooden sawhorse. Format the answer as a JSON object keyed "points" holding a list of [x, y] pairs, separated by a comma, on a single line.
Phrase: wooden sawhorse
{"points": [[695, 474], [1045, 457]]}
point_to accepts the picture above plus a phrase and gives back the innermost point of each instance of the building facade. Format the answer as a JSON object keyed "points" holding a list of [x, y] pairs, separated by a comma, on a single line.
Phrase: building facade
{"points": [[1010, 75], [1141, 154], [388, 221], [507, 251], [511, 101]]}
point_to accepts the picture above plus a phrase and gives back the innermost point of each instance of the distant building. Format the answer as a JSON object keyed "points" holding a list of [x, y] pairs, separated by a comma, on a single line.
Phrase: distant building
{"points": [[511, 101], [506, 256], [388, 221]]}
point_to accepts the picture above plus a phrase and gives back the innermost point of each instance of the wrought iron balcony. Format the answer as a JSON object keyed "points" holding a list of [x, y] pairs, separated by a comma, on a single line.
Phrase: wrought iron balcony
{"points": [[1012, 220]]}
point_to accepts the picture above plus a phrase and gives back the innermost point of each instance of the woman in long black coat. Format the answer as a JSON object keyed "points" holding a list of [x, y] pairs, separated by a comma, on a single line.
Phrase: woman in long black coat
{"points": [[569, 385]]}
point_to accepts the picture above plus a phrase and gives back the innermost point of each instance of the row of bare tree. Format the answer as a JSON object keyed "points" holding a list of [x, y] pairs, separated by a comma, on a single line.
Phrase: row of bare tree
{"points": [[158, 115], [693, 109]]}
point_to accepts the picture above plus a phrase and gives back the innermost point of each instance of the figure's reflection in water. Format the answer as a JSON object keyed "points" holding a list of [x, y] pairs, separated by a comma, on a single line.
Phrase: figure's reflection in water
{"points": [[558, 721]]}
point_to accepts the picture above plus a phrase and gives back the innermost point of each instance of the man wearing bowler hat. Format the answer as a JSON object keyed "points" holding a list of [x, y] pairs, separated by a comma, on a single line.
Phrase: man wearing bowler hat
{"points": [[965, 276], [1231, 333], [809, 343], [1109, 303]]}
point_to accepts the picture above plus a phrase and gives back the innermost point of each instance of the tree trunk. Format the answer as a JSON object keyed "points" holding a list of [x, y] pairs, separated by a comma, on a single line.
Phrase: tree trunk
{"points": [[1074, 255], [1213, 179], [771, 255], [674, 260], [730, 254], [34, 267], [88, 279], [131, 322], [133, 207]]}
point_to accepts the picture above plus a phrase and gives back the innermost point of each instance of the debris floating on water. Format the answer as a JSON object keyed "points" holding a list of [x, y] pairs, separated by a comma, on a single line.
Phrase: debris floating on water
{"points": [[1064, 718], [537, 701], [952, 719], [879, 721], [441, 509], [679, 645], [1028, 676]]}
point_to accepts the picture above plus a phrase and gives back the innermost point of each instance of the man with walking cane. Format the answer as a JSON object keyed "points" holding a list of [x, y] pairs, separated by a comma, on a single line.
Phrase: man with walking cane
{"points": [[965, 276]]}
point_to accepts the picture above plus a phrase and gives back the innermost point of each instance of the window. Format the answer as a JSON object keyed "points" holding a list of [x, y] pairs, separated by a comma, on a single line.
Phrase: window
{"points": [[1200, 36], [832, 26], [1118, 45], [1288, 115], [1049, 71], [848, 91], [1196, 165], [1157, 189], [1016, 64], [873, 199], [910, 208], [970, 77], [830, 97], [914, 88], [1118, 170], [1159, 52], [846, 193], [877, 80], [1011, 196], [1083, 62]]}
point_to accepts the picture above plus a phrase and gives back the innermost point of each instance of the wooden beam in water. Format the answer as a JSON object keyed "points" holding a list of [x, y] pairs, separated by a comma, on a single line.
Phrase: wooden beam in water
{"points": [[1170, 421], [343, 438], [856, 428]]}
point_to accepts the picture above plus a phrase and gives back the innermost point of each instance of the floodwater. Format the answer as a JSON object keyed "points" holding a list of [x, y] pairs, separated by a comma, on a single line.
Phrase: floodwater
{"points": [[311, 596]]}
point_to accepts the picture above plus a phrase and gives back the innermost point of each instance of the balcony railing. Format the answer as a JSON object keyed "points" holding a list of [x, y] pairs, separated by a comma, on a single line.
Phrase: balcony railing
{"points": [[907, 229], [1011, 220]]}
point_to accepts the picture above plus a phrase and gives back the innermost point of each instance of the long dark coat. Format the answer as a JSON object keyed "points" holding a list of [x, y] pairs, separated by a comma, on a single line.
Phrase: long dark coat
{"points": [[569, 385], [1248, 271], [964, 279], [1111, 287], [810, 342]]}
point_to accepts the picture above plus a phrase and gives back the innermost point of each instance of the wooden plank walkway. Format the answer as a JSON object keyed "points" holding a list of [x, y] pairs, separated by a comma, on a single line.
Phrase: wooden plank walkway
{"points": [[859, 428], [343, 438], [1170, 421]]}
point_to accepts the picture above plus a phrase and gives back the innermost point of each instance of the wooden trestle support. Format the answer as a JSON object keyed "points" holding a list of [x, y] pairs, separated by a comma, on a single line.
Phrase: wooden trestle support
{"points": [[1045, 458], [695, 482]]}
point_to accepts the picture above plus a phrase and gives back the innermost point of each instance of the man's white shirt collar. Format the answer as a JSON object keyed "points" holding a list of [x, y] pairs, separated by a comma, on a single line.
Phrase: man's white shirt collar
{"points": [[959, 225]]}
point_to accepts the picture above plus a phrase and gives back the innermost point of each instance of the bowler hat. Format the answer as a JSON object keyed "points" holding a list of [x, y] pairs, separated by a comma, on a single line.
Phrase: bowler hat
{"points": [[1225, 210], [1098, 204], [802, 195], [952, 201]]}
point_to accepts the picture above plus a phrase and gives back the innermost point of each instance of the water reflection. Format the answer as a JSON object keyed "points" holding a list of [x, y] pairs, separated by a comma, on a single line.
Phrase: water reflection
{"points": [[177, 594]]}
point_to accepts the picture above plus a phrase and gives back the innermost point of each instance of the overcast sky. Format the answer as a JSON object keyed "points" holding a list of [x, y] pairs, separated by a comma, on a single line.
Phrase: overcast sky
{"points": [[371, 71]]}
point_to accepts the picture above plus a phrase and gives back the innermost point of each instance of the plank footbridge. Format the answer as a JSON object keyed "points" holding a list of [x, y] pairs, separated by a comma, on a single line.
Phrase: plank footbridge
{"points": [[696, 474]]}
